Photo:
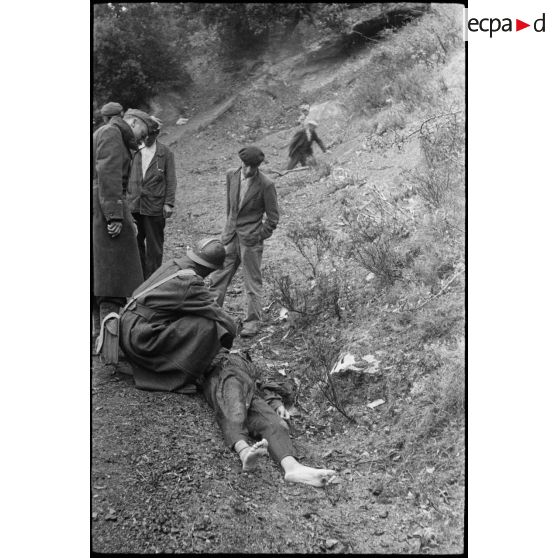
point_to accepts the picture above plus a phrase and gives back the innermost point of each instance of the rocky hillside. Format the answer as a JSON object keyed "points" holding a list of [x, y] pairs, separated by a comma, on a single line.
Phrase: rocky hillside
{"points": [[364, 282]]}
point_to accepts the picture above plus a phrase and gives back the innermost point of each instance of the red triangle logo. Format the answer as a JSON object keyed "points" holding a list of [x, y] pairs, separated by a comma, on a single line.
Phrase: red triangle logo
{"points": [[519, 25]]}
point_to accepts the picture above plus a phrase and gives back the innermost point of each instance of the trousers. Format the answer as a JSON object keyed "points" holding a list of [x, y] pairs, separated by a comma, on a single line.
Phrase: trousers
{"points": [[251, 259], [151, 236], [300, 158], [241, 414]]}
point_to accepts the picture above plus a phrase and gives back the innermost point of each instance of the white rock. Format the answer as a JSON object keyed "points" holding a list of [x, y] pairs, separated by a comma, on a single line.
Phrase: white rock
{"points": [[375, 404]]}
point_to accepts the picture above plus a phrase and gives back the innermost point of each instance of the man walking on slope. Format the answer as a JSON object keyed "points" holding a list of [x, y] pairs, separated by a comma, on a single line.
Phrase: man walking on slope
{"points": [[300, 147], [250, 195], [116, 261]]}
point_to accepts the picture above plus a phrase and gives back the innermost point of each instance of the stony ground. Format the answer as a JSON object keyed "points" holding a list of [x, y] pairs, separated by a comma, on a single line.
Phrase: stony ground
{"points": [[162, 480]]}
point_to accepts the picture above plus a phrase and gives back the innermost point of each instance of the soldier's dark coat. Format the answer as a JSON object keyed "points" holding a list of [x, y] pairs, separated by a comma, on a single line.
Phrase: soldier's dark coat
{"points": [[116, 262], [172, 333]]}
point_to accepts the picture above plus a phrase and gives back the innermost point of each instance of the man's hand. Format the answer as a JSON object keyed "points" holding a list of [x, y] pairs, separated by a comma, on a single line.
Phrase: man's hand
{"points": [[114, 228], [167, 211], [283, 413]]}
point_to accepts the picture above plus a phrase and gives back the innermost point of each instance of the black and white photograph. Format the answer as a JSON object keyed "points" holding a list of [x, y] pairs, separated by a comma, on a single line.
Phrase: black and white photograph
{"points": [[278, 278]]}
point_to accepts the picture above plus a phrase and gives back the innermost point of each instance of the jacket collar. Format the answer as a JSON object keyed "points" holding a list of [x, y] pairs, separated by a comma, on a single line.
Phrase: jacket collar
{"points": [[127, 134]]}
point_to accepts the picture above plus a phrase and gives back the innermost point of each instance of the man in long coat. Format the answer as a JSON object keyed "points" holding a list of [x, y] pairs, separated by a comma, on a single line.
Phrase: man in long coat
{"points": [[172, 333], [151, 191], [116, 261], [251, 195]]}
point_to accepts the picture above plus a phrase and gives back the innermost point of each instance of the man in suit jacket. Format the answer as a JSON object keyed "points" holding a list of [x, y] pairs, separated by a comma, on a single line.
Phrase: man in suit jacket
{"points": [[250, 195], [151, 191]]}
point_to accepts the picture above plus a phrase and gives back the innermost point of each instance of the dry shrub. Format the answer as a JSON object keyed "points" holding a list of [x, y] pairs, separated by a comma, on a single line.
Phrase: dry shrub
{"points": [[438, 399], [322, 354], [400, 66], [319, 287], [440, 178], [375, 242]]}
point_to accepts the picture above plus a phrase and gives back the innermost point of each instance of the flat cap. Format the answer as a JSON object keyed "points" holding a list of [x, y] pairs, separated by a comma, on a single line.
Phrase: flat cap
{"points": [[143, 116], [251, 155], [111, 109]]}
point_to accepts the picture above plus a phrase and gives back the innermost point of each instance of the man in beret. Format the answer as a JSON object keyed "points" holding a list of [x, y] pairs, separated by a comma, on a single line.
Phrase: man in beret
{"points": [[116, 261], [250, 196], [111, 109], [151, 191]]}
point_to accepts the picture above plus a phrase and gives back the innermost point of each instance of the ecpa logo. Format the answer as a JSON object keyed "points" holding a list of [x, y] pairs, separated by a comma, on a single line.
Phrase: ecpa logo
{"points": [[494, 25]]}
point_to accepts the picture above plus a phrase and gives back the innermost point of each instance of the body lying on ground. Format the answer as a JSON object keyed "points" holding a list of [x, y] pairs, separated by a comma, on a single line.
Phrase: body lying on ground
{"points": [[247, 407]]}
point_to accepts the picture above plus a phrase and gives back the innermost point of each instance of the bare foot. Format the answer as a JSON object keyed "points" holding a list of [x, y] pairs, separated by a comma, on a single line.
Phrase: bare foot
{"points": [[309, 475], [250, 455]]}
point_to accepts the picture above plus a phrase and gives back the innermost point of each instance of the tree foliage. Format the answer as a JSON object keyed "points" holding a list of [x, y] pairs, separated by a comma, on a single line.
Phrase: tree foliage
{"points": [[246, 26], [136, 51], [140, 49]]}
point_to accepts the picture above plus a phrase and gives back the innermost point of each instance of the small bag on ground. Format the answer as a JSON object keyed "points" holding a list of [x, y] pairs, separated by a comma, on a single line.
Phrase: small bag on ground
{"points": [[109, 339]]}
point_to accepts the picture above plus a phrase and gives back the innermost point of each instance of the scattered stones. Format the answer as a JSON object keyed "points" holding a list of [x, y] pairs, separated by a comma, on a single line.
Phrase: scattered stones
{"points": [[111, 515], [375, 403], [330, 543]]}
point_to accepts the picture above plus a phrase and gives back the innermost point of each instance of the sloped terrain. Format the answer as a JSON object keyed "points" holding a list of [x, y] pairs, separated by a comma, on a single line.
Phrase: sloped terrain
{"points": [[162, 479]]}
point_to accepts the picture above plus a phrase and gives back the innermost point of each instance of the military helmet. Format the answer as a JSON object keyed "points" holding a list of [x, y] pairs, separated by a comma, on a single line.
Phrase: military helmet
{"points": [[208, 252]]}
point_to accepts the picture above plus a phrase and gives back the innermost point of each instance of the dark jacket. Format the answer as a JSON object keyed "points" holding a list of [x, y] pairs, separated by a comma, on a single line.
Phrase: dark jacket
{"points": [[247, 219], [301, 144], [172, 333], [274, 391], [116, 261], [147, 195]]}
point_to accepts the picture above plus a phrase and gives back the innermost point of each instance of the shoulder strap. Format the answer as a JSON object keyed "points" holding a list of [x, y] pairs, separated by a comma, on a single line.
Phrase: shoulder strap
{"points": [[179, 273]]}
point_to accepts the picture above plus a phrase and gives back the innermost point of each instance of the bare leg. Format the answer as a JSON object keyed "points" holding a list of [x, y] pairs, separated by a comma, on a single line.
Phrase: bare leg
{"points": [[249, 455], [296, 472]]}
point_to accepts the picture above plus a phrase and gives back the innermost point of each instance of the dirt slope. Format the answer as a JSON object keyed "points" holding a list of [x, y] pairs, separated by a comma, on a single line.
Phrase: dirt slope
{"points": [[162, 480]]}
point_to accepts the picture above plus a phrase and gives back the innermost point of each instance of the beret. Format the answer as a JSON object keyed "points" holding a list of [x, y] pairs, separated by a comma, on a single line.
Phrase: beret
{"points": [[143, 116], [251, 155], [111, 109]]}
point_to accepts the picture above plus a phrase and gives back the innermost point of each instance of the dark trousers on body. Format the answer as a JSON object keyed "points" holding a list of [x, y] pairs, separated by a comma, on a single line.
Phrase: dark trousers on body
{"points": [[241, 414], [151, 236]]}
